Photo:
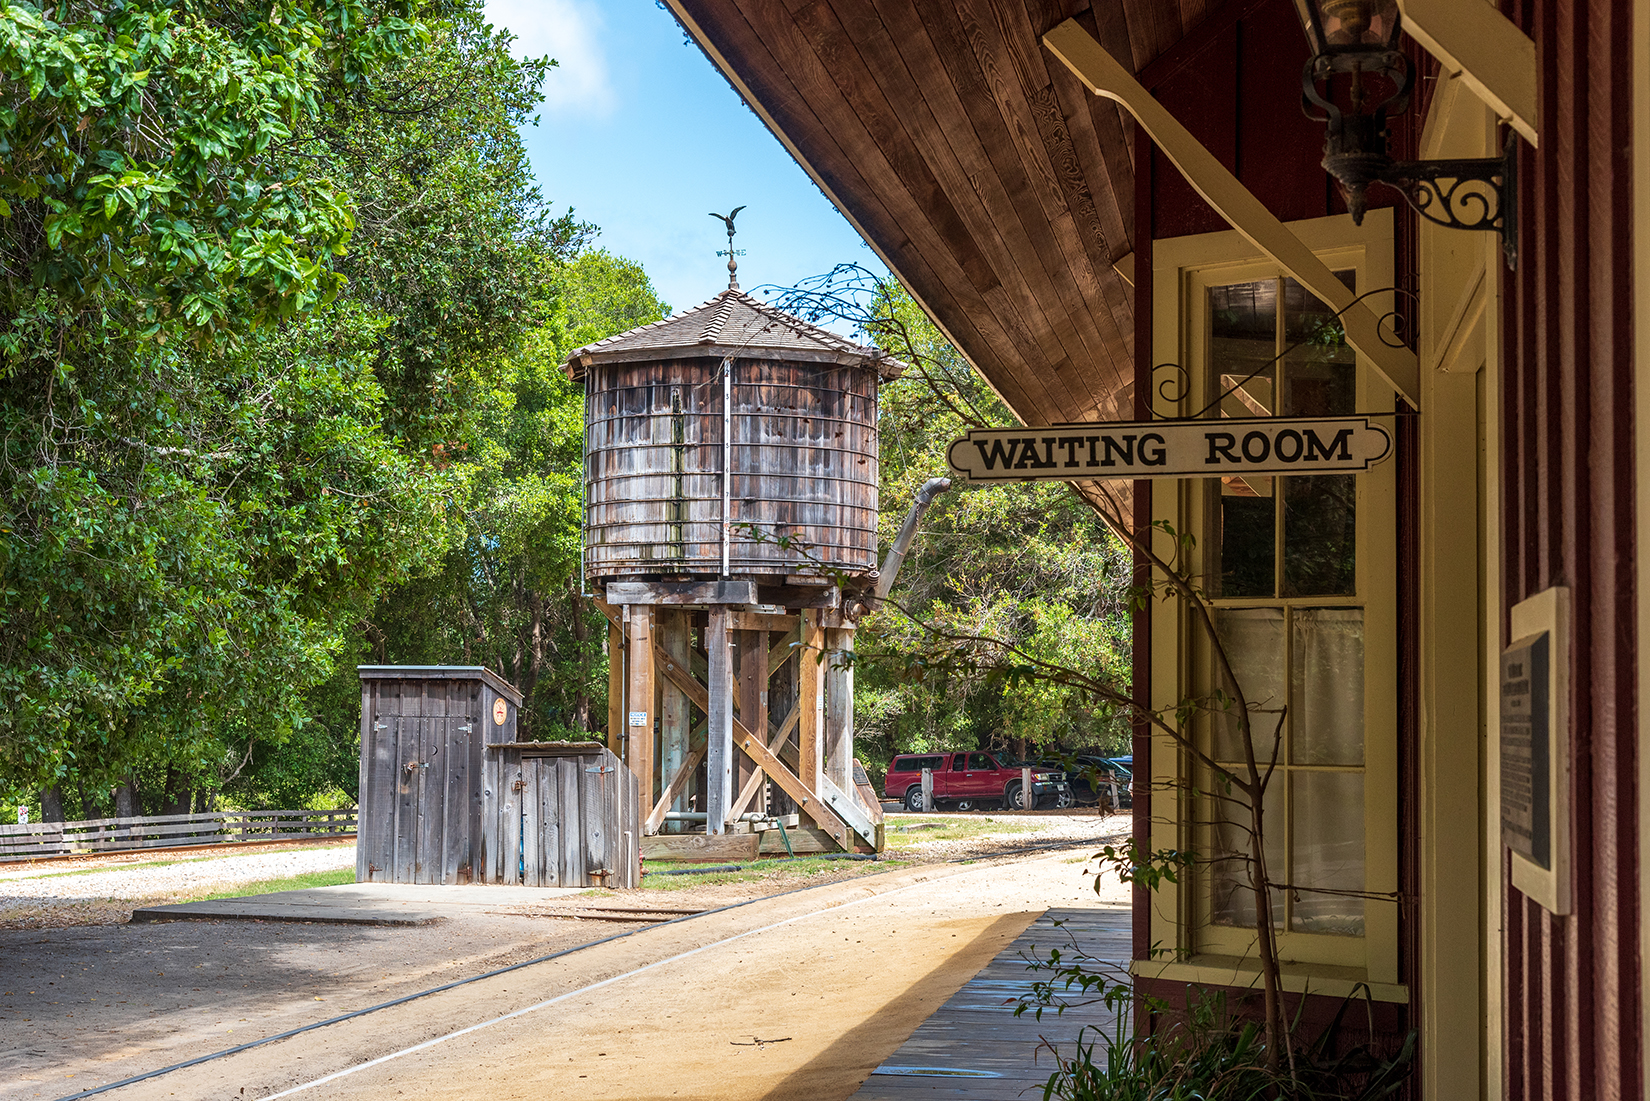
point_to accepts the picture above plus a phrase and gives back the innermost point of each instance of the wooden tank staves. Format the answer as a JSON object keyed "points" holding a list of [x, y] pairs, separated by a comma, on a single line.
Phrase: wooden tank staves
{"points": [[731, 538]]}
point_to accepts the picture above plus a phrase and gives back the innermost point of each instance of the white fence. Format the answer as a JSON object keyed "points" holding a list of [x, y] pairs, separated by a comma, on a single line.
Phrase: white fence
{"points": [[37, 839]]}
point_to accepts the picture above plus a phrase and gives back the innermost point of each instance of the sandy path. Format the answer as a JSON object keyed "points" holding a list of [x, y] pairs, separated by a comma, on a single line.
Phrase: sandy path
{"points": [[846, 972]]}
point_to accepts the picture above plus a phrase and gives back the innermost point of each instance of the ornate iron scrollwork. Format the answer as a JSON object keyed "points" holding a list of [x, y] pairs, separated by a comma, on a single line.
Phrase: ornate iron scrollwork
{"points": [[1468, 193]]}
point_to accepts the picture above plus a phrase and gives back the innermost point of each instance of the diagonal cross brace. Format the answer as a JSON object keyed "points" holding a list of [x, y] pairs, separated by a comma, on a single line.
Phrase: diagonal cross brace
{"points": [[678, 783], [775, 740], [1105, 76], [809, 801]]}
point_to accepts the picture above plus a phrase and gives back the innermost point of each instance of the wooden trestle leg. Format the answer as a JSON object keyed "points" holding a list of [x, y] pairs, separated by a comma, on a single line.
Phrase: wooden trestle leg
{"points": [[675, 629], [719, 737]]}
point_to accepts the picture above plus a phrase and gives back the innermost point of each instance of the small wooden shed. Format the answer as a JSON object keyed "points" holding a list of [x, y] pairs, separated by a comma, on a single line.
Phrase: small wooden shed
{"points": [[449, 796]]}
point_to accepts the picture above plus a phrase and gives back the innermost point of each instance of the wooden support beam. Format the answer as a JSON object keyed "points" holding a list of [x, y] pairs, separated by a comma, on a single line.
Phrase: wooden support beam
{"points": [[681, 592], [783, 650], [674, 709], [839, 707], [806, 799], [700, 849], [1493, 57], [1105, 76], [615, 689], [676, 786], [760, 621], [639, 701], [811, 700], [753, 698], [754, 783], [719, 737]]}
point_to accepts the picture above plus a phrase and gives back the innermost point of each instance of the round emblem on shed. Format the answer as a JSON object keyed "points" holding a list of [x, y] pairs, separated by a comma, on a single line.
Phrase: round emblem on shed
{"points": [[501, 711]]}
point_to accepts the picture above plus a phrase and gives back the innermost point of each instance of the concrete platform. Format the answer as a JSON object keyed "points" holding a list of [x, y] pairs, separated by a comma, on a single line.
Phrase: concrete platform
{"points": [[974, 1047], [359, 904]]}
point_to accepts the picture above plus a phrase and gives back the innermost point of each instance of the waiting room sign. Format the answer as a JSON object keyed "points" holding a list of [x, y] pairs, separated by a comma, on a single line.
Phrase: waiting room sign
{"points": [[1171, 449]]}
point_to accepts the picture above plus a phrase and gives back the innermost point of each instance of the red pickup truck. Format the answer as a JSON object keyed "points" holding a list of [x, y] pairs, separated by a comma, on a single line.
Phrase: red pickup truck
{"points": [[968, 780]]}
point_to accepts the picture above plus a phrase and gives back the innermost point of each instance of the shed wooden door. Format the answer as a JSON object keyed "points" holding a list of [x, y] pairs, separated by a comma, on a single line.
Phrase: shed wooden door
{"points": [[420, 825], [567, 805]]}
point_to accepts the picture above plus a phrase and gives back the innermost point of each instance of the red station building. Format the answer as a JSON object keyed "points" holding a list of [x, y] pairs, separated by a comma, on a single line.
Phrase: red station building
{"points": [[1079, 193]]}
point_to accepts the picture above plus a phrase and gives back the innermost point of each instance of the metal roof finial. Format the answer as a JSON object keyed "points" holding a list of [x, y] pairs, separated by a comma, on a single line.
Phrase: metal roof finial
{"points": [[731, 252]]}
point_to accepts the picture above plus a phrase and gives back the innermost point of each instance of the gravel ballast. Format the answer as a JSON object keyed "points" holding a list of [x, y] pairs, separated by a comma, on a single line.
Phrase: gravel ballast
{"points": [[44, 896], [70, 893]]}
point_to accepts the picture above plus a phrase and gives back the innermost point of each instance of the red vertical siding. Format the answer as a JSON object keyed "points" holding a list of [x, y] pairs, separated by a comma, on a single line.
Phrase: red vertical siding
{"points": [[1572, 982], [1235, 84], [1255, 57]]}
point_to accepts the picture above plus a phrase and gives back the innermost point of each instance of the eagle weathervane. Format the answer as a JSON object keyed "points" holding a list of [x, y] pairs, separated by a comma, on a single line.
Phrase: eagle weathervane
{"points": [[731, 252]]}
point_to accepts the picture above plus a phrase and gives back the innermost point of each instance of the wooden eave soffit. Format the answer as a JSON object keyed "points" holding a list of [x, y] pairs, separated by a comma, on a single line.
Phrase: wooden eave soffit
{"points": [[1104, 76], [1495, 59]]}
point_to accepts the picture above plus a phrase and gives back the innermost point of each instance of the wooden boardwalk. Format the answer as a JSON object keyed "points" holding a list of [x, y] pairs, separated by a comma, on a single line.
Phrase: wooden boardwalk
{"points": [[974, 1046]]}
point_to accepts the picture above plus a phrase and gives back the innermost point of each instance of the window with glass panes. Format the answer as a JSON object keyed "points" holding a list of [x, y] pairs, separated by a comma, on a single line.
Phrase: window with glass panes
{"points": [[1285, 565]]}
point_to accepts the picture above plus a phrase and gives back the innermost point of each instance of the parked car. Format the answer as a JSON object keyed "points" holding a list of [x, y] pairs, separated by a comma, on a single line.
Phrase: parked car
{"points": [[970, 780], [1091, 777]]}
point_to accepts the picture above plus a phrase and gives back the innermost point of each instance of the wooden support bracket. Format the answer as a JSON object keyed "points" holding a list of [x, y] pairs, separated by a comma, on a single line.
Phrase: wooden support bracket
{"points": [[1105, 76], [1494, 58]]}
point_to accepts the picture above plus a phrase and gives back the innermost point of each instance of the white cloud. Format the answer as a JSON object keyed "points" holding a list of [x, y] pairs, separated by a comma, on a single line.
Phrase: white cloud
{"points": [[569, 31]]}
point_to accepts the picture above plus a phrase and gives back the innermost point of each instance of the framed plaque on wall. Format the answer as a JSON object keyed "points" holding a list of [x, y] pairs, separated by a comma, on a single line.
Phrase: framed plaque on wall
{"points": [[1535, 748]]}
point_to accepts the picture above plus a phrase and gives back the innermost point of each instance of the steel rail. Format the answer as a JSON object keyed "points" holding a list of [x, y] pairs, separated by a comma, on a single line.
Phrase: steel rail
{"points": [[977, 862]]}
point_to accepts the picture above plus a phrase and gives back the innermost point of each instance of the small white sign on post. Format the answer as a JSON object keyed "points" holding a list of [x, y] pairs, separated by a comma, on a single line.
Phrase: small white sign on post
{"points": [[22, 816], [638, 718]]}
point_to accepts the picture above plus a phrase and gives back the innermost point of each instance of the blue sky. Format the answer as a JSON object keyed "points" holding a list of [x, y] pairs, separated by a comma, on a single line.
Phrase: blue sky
{"points": [[641, 135]]}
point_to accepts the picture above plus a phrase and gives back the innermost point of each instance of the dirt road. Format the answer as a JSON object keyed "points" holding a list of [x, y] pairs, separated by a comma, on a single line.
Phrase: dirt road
{"points": [[799, 996]]}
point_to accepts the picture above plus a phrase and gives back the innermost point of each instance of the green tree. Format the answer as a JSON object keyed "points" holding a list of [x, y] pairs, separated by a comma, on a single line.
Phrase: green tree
{"points": [[509, 594], [260, 269], [151, 228], [456, 248], [1001, 575]]}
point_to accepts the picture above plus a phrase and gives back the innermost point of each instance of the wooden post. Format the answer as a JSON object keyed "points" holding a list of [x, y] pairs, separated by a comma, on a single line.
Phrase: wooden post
{"points": [[1027, 799], [927, 789], [839, 708], [719, 736], [674, 715], [638, 726], [810, 700], [615, 690], [753, 698]]}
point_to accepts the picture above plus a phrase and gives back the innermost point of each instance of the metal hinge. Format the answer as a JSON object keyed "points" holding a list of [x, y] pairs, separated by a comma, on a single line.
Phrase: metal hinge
{"points": [[600, 768]]}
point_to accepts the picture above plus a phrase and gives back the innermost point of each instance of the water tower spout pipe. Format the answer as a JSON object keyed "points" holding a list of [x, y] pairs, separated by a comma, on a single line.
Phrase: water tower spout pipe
{"points": [[907, 533]]}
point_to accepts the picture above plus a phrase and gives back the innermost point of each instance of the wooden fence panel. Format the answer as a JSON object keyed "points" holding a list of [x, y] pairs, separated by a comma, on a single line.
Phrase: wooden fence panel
{"points": [[488, 867], [36, 840]]}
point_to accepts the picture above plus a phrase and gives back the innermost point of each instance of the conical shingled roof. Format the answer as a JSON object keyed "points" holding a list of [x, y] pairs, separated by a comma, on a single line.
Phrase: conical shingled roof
{"points": [[732, 324]]}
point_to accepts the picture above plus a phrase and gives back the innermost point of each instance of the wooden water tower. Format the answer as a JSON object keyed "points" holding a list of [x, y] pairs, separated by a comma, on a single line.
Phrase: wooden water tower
{"points": [[731, 539]]}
